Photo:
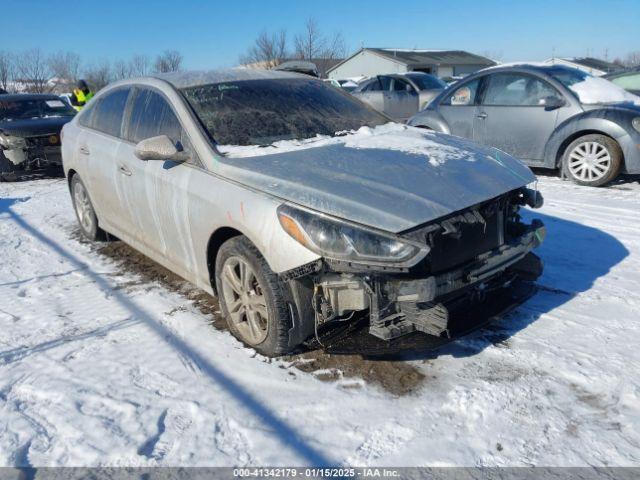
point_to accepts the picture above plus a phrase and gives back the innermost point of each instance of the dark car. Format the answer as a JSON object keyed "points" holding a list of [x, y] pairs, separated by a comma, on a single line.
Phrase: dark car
{"points": [[30, 126], [546, 116], [628, 79]]}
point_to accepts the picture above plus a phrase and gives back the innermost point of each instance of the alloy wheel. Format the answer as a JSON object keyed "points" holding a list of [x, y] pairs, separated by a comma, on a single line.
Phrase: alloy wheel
{"points": [[589, 161], [245, 300], [83, 207]]}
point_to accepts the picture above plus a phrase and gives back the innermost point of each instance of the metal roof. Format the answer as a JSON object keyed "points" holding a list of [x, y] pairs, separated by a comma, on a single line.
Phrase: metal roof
{"points": [[595, 63], [432, 57]]}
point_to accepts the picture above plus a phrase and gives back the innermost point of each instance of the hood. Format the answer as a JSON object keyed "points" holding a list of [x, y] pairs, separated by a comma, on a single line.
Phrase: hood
{"points": [[618, 107], [391, 177], [34, 127]]}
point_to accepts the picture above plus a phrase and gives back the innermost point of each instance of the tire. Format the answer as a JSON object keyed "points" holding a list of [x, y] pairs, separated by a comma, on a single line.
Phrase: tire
{"points": [[592, 160], [252, 297], [85, 213]]}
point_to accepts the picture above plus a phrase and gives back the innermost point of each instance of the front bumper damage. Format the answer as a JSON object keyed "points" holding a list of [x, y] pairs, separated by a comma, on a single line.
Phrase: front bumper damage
{"points": [[425, 299], [30, 154]]}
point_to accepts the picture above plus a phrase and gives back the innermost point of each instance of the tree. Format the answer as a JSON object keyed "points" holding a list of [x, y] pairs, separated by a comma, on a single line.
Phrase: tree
{"points": [[65, 69], [98, 75], [632, 59], [140, 65], [32, 69], [312, 45], [169, 61], [121, 70], [6, 69], [268, 50]]}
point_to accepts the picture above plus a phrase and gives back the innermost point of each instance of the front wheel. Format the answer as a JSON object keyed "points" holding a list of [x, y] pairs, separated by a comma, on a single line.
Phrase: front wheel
{"points": [[592, 160], [252, 298]]}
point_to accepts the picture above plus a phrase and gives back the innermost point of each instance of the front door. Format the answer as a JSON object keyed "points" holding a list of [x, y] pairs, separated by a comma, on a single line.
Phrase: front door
{"points": [[401, 100], [459, 109], [512, 115]]}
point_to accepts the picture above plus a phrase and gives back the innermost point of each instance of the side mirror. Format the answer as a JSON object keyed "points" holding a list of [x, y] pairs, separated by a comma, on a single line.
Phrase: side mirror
{"points": [[160, 148], [552, 102]]}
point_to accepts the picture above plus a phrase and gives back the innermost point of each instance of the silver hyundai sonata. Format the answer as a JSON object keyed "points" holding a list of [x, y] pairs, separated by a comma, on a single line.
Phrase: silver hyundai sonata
{"points": [[298, 205]]}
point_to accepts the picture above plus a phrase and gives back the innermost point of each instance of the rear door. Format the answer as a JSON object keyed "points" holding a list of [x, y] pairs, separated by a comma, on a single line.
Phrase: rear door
{"points": [[513, 117], [401, 100], [459, 108], [97, 150]]}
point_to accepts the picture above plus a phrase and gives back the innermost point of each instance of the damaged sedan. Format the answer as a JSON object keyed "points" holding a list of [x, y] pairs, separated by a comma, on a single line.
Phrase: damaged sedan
{"points": [[299, 206], [30, 126]]}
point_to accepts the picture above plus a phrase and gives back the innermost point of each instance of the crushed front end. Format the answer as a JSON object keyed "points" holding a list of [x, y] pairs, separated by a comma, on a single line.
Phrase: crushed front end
{"points": [[26, 152], [463, 258]]}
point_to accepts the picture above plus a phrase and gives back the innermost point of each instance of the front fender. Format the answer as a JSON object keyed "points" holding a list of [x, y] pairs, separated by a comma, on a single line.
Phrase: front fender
{"points": [[430, 119], [594, 121]]}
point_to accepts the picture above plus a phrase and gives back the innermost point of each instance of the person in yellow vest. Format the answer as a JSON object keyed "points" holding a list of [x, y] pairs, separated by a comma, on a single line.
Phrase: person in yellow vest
{"points": [[81, 95]]}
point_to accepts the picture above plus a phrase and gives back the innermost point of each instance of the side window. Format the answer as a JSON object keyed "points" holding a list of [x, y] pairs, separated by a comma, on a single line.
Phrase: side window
{"points": [[372, 86], [514, 89], [86, 115], [151, 116], [108, 114], [464, 95], [401, 86], [385, 83]]}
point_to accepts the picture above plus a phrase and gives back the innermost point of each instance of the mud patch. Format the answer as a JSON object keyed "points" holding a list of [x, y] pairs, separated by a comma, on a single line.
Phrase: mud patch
{"points": [[396, 377]]}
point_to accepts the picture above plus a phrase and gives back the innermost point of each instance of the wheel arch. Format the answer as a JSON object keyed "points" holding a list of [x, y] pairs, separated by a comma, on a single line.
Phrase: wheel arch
{"points": [[574, 136], [216, 240]]}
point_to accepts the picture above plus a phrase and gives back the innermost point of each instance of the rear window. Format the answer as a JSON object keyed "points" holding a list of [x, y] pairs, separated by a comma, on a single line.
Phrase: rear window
{"points": [[426, 82], [108, 114]]}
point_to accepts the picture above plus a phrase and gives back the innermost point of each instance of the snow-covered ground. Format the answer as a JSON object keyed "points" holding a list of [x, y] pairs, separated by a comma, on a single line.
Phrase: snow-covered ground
{"points": [[101, 367]]}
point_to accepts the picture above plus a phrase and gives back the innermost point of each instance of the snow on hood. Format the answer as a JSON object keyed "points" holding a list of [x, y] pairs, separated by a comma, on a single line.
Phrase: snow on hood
{"points": [[392, 177], [595, 90], [392, 136]]}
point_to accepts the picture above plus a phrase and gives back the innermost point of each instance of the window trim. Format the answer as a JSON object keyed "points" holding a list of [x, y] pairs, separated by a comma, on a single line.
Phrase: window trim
{"points": [[99, 101], [487, 79]]}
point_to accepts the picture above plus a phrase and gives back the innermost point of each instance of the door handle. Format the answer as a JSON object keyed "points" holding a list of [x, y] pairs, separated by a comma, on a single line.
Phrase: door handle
{"points": [[124, 170], [83, 150], [482, 115]]}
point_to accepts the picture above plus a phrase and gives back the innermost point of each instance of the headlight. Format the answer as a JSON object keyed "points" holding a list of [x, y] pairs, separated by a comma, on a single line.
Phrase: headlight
{"points": [[11, 142], [339, 240], [636, 124]]}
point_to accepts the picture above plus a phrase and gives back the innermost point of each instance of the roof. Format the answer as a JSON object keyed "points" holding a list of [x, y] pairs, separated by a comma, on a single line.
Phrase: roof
{"points": [[12, 97], [204, 77], [416, 58], [595, 63]]}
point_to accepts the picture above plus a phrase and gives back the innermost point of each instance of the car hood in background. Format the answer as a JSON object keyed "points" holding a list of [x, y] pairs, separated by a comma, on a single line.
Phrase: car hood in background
{"points": [[391, 177], [34, 127]]}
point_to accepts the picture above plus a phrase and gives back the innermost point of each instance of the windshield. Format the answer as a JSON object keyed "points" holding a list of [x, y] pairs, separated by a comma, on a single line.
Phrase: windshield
{"points": [[260, 112], [426, 82], [34, 108], [590, 89]]}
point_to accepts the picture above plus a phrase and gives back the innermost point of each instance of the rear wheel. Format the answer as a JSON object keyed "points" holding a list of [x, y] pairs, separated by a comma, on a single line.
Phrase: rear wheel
{"points": [[593, 160], [252, 298], [85, 213]]}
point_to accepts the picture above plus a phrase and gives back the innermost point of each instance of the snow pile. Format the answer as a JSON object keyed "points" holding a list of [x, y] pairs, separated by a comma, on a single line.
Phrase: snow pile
{"points": [[594, 90], [391, 136]]}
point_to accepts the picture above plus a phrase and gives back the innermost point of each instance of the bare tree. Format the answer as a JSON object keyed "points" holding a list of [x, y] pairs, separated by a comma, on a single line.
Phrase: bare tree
{"points": [[65, 69], [268, 50], [312, 45], [140, 65], [98, 75], [632, 59], [121, 70], [169, 61], [32, 69], [6, 69], [496, 55]]}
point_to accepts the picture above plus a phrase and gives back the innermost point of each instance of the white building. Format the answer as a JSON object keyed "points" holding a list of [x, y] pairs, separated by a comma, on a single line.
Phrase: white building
{"points": [[594, 66], [369, 62]]}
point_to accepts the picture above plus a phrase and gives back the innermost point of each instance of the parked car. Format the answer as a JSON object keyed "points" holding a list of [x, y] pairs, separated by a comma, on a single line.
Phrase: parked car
{"points": [[628, 79], [547, 116], [299, 66], [399, 96], [30, 126], [298, 204]]}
